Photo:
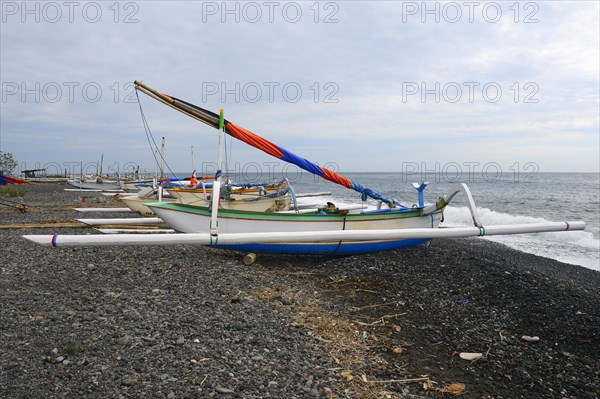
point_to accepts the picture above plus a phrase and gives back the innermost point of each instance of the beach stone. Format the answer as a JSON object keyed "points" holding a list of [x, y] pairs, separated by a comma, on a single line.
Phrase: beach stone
{"points": [[134, 315], [530, 339], [470, 356], [73, 348], [128, 381], [222, 390]]}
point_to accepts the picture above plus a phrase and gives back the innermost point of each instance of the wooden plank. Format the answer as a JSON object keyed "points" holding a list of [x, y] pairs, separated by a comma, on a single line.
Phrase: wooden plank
{"points": [[135, 230], [71, 225], [133, 221], [103, 209], [44, 225]]}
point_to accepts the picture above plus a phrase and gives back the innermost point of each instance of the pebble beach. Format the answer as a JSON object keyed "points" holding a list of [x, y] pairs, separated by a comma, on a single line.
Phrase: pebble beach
{"points": [[461, 317]]}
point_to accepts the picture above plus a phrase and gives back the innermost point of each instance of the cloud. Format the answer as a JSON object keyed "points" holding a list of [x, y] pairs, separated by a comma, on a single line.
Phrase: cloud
{"points": [[336, 84]]}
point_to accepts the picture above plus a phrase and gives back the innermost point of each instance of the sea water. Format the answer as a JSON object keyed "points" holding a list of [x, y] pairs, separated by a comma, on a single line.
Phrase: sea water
{"points": [[500, 200]]}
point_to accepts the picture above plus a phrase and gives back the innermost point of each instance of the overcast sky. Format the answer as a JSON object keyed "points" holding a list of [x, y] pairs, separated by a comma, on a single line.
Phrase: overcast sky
{"points": [[368, 86]]}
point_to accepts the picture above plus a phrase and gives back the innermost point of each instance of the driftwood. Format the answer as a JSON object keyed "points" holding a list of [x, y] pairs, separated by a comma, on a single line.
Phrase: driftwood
{"points": [[13, 204], [43, 225]]}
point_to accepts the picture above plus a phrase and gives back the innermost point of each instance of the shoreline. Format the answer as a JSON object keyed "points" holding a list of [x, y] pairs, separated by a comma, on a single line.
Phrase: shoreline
{"points": [[193, 322]]}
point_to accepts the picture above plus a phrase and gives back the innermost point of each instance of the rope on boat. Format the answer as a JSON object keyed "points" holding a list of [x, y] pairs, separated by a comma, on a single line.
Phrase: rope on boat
{"points": [[150, 137]]}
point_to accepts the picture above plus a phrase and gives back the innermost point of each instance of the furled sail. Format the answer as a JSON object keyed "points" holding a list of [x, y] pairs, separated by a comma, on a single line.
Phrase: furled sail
{"points": [[256, 141]]}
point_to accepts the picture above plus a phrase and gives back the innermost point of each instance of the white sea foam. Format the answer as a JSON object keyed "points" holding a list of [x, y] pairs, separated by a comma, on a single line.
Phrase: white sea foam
{"points": [[574, 247]]}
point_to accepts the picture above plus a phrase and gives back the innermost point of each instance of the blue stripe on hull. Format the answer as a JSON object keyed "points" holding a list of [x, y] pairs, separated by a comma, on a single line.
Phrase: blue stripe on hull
{"points": [[326, 248]]}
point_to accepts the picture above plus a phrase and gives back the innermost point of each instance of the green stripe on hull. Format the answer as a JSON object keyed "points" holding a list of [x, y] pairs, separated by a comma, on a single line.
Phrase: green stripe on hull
{"points": [[290, 217]]}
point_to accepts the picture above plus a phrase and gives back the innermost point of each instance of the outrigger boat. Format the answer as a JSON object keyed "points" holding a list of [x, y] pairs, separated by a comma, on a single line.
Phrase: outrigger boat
{"points": [[137, 202], [250, 197], [326, 230], [96, 183], [259, 198]]}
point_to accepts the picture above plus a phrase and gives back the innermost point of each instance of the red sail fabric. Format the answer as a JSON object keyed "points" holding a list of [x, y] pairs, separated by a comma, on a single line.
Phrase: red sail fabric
{"points": [[274, 150], [254, 140], [334, 177]]}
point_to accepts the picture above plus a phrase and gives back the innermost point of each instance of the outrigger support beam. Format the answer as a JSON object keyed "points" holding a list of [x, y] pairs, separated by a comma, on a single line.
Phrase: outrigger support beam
{"points": [[420, 187], [216, 194], [445, 200]]}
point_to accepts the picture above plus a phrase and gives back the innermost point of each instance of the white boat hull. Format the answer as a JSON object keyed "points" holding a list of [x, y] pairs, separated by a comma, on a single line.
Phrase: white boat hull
{"points": [[192, 219], [104, 186], [136, 204]]}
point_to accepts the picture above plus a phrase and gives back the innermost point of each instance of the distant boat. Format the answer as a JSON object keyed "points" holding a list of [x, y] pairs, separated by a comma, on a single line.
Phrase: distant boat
{"points": [[96, 183], [6, 180], [138, 203], [259, 198], [244, 198]]}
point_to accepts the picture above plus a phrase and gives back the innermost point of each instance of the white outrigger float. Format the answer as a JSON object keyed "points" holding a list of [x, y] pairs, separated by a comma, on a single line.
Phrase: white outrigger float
{"points": [[326, 230]]}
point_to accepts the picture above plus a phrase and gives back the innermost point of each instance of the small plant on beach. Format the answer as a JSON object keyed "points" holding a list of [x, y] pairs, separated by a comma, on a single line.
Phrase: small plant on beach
{"points": [[11, 192], [7, 162]]}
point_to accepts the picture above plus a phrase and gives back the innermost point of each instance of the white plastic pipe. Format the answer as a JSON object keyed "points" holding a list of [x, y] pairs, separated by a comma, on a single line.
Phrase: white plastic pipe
{"points": [[305, 236], [214, 221]]}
